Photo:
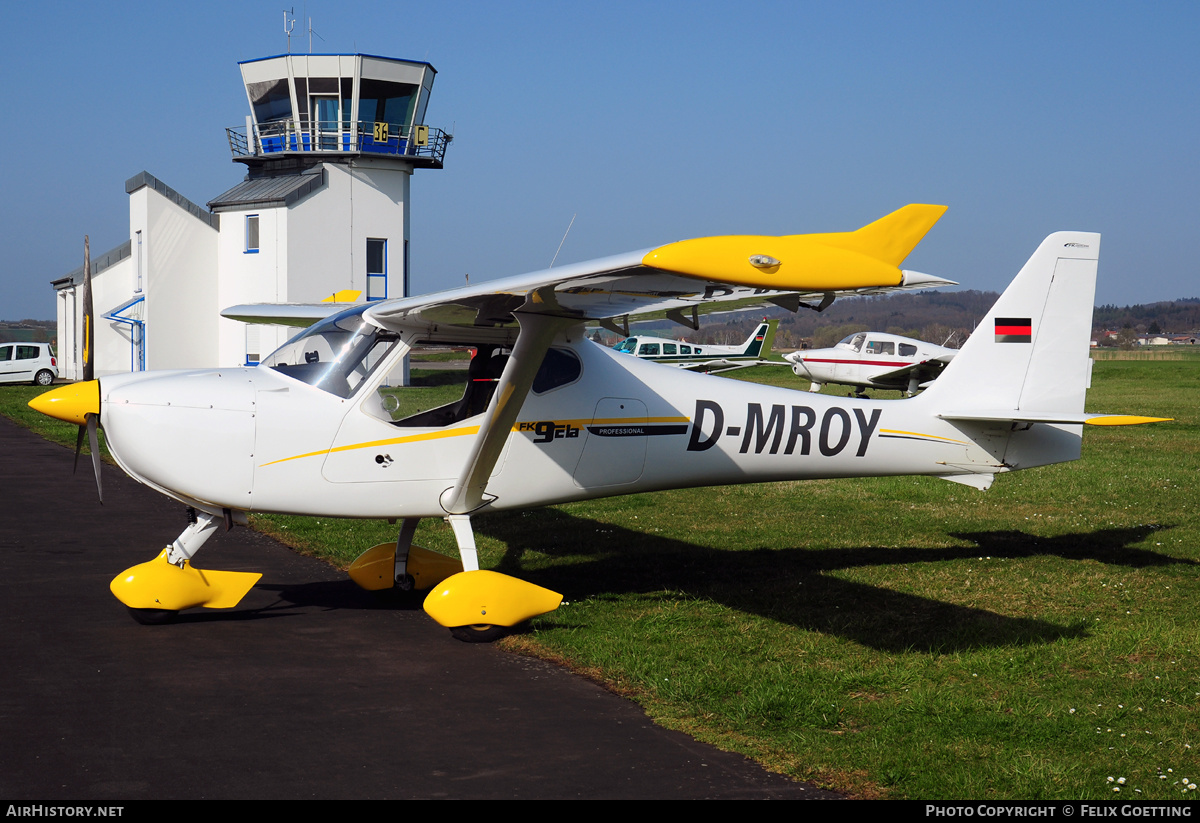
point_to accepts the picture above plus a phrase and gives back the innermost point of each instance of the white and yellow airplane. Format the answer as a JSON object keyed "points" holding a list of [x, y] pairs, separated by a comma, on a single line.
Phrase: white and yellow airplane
{"points": [[710, 358], [555, 417], [872, 360]]}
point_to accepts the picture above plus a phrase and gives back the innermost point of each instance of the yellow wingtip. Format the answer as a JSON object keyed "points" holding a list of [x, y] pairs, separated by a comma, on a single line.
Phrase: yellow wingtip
{"points": [[343, 296], [868, 257], [1126, 420], [892, 237]]}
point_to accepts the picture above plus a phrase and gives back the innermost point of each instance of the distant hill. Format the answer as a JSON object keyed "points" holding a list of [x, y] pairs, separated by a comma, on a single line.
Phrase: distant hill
{"points": [[945, 318], [1177, 316], [28, 331]]}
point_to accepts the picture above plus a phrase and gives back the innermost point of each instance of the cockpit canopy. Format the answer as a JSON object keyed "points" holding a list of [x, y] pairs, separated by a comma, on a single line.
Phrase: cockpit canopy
{"points": [[853, 342]]}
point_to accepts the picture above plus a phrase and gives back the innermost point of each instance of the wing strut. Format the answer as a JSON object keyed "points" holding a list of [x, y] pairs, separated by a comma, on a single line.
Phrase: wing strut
{"points": [[537, 333]]}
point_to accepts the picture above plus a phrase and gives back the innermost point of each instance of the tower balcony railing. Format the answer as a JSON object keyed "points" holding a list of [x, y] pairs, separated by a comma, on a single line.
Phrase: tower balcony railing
{"points": [[423, 144]]}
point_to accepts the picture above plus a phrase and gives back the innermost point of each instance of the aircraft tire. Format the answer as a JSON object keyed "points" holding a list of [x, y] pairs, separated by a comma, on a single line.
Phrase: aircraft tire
{"points": [[153, 617], [479, 633]]}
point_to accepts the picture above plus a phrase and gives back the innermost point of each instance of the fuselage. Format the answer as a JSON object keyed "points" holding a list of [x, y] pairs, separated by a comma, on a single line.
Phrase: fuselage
{"points": [[258, 439], [867, 359]]}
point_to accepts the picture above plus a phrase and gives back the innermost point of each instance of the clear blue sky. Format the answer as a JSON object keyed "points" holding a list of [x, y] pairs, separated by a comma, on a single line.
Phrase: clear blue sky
{"points": [[653, 122]]}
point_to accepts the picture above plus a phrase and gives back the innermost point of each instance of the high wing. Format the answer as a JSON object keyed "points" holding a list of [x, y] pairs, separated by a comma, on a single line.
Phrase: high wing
{"points": [[688, 276], [527, 312]]}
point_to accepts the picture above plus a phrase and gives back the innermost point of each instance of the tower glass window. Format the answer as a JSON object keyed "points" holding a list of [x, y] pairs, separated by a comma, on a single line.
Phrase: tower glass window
{"points": [[251, 233], [376, 269]]}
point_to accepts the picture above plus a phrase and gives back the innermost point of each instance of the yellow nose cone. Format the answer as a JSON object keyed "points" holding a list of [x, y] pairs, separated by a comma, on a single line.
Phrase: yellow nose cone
{"points": [[70, 403]]}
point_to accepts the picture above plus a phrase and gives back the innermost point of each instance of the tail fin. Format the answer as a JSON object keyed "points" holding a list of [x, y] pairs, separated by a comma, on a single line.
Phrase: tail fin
{"points": [[1031, 351], [759, 343]]}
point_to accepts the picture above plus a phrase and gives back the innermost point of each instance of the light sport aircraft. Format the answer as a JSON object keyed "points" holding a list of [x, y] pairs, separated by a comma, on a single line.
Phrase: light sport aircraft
{"points": [[873, 360], [559, 418], [713, 359]]}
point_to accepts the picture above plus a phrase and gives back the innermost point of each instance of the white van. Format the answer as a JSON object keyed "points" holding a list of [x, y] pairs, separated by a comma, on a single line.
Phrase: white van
{"points": [[28, 363]]}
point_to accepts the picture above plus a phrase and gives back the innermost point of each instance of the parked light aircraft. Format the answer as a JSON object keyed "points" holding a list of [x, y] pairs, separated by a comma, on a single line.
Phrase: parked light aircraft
{"points": [[554, 417], [703, 356], [872, 360]]}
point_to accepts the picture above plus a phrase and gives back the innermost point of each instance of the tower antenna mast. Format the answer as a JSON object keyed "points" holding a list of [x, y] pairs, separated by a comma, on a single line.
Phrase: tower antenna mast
{"points": [[288, 25]]}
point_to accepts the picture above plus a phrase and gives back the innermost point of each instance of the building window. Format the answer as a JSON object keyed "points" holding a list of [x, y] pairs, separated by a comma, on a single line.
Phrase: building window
{"points": [[137, 274], [251, 234], [376, 269], [253, 344]]}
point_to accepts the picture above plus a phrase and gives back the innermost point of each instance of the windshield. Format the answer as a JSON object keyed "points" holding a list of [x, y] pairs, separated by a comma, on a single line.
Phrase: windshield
{"points": [[337, 354], [853, 341]]}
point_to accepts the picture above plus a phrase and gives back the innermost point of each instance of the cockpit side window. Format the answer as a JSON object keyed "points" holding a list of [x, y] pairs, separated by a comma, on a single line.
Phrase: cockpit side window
{"points": [[560, 367]]}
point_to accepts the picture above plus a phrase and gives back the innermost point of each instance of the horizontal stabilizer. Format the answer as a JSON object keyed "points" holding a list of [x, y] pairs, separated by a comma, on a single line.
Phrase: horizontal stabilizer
{"points": [[1063, 418]]}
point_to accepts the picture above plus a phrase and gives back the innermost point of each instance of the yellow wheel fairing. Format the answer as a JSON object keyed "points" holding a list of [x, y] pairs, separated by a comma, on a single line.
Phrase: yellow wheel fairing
{"points": [[375, 569], [486, 598], [160, 584], [428, 568]]}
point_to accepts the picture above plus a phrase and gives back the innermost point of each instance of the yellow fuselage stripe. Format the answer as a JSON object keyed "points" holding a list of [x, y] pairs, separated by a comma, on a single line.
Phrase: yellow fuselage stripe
{"points": [[919, 434], [467, 430]]}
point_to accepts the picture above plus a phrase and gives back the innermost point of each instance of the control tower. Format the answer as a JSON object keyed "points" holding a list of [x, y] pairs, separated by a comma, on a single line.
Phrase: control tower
{"points": [[309, 108], [327, 152], [329, 146]]}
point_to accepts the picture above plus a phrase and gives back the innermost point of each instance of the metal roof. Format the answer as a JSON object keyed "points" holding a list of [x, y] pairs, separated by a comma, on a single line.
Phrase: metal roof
{"points": [[269, 191], [99, 263]]}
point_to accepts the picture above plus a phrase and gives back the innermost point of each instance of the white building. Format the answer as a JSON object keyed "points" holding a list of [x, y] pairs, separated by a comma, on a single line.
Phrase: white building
{"points": [[329, 146]]}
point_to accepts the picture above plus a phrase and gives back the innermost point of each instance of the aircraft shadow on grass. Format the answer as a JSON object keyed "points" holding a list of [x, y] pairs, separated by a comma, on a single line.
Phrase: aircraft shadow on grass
{"points": [[791, 585]]}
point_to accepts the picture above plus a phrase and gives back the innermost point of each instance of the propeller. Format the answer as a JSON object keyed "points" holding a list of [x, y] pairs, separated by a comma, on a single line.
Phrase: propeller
{"points": [[89, 372]]}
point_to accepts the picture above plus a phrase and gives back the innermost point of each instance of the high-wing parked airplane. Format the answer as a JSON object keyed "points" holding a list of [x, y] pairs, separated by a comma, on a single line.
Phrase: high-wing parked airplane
{"points": [[550, 416], [872, 360], [703, 356]]}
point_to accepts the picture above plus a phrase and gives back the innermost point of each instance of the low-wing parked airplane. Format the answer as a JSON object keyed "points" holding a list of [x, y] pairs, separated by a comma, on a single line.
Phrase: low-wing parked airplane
{"points": [[873, 360], [704, 357], [554, 417]]}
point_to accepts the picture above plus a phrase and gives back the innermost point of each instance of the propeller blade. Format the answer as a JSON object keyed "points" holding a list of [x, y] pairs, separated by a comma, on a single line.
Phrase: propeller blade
{"points": [[94, 442], [78, 448], [89, 315]]}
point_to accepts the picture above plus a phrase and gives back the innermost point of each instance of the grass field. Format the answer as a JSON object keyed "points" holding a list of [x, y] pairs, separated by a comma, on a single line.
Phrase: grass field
{"points": [[895, 637]]}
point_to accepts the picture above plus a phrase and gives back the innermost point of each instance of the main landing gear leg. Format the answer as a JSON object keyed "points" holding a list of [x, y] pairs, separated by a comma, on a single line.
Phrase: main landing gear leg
{"points": [[408, 530], [157, 591], [464, 535], [481, 606]]}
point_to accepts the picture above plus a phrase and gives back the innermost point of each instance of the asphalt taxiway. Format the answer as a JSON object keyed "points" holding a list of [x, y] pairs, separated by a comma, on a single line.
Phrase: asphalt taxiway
{"points": [[310, 688]]}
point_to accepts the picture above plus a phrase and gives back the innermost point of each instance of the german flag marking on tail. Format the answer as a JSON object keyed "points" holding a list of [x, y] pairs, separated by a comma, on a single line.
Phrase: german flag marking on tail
{"points": [[1014, 330]]}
